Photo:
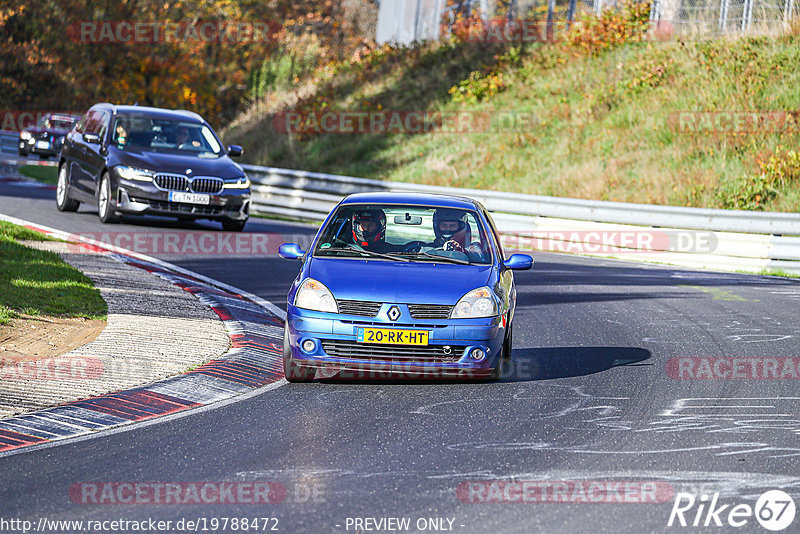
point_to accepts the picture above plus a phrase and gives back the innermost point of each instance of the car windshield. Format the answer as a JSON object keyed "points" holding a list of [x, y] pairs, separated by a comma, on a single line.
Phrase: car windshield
{"points": [[409, 233], [53, 123], [139, 132]]}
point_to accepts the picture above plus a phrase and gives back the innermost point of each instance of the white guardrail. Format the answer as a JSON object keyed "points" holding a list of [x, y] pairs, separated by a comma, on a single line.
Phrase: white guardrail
{"points": [[700, 238], [728, 240], [8, 141]]}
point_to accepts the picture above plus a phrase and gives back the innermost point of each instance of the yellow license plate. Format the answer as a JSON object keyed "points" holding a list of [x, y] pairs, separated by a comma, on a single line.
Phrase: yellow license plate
{"points": [[388, 336]]}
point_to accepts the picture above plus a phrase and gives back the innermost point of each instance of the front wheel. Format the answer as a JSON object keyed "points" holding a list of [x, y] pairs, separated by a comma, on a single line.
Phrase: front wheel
{"points": [[292, 371], [229, 225], [63, 202], [504, 360], [105, 208]]}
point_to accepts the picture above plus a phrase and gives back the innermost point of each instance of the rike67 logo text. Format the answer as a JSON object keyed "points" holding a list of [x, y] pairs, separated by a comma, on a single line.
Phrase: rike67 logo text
{"points": [[774, 510]]}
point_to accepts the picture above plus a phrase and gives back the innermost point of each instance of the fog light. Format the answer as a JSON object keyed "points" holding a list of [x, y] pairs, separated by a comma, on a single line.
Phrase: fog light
{"points": [[309, 345], [477, 354]]}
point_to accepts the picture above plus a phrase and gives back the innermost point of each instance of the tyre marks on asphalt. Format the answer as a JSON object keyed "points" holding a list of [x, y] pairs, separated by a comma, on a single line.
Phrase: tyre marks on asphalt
{"points": [[254, 360]]}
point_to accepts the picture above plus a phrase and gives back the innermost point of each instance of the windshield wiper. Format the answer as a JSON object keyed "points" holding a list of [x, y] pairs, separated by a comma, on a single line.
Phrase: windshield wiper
{"points": [[442, 258], [348, 246]]}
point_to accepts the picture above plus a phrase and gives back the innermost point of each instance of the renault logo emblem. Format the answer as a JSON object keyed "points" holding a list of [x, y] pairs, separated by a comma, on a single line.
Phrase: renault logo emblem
{"points": [[393, 313]]}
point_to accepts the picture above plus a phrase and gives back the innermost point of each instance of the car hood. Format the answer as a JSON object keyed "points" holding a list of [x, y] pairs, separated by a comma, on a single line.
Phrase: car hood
{"points": [[390, 281], [39, 131], [222, 167]]}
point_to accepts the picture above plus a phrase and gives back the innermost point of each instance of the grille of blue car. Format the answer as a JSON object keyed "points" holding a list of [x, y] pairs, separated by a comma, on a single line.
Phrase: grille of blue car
{"points": [[393, 353], [359, 307], [430, 311], [365, 308]]}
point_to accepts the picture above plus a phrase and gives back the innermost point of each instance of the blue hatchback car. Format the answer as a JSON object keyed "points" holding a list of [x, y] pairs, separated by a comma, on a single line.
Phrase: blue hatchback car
{"points": [[402, 285]]}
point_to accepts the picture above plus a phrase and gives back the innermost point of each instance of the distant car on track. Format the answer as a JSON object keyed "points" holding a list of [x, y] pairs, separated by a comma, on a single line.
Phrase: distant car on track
{"points": [[47, 137], [402, 284], [142, 160]]}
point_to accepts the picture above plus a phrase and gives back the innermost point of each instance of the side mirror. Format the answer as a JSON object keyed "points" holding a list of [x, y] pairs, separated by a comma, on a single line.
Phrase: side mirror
{"points": [[290, 251], [519, 262], [235, 151], [91, 138]]}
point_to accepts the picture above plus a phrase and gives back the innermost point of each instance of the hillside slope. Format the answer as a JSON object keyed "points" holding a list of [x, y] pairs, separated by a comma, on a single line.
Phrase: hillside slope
{"points": [[610, 115]]}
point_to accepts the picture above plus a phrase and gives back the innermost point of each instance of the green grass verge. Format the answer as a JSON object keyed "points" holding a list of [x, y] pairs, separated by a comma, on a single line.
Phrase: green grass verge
{"points": [[37, 282], [42, 173], [20, 233]]}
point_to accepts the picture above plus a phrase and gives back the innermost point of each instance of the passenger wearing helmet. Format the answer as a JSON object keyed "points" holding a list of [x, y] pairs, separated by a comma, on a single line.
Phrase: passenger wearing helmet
{"points": [[369, 229], [451, 229]]}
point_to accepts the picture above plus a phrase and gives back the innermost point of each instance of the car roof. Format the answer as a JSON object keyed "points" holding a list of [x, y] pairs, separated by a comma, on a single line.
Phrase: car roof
{"points": [[63, 117], [156, 113], [414, 199]]}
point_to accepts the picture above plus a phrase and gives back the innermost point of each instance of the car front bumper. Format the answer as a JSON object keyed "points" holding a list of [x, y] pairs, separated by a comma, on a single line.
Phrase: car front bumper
{"points": [[139, 197], [451, 343]]}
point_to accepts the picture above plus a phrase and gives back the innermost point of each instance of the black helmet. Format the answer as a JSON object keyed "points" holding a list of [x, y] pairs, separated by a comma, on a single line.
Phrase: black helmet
{"points": [[450, 214], [369, 238]]}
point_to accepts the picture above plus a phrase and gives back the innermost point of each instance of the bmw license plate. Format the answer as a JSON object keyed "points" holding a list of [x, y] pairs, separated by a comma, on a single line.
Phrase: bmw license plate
{"points": [[42, 144], [387, 336], [189, 198]]}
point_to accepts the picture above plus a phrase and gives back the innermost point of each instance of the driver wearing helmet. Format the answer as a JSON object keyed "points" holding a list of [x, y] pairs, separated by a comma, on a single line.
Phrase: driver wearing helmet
{"points": [[369, 229], [451, 229]]}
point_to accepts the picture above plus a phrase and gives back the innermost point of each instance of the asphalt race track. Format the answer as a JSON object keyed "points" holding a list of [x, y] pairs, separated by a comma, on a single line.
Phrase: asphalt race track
{"points": [[598, 393]]}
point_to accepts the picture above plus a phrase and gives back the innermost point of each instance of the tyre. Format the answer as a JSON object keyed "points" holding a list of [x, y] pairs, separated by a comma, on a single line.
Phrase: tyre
{"points": [[229, 225], [504, 360], [292, 371], [63, 202], [105, 208]]}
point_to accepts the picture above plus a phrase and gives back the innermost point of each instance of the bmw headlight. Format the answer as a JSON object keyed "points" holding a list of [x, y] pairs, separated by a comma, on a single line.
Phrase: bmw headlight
{"points": [[479, 302], [313, 295], [242, 182], [132, 173], [25, 135]]}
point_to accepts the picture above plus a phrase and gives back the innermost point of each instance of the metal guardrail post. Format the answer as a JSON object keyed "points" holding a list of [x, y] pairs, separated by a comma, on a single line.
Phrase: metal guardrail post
{"points": [[598, 7], [723, 15], [571, 12], [787, 12], [747, 15], [551, 8], [655, 11]]}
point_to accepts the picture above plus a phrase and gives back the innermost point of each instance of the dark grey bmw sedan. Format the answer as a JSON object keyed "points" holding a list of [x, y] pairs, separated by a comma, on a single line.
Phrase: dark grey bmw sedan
{"points": [[142, 160]]}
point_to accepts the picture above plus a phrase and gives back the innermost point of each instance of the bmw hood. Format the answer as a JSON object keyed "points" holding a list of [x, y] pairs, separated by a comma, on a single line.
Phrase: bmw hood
{"points": [[401, 282], [170, 162]]}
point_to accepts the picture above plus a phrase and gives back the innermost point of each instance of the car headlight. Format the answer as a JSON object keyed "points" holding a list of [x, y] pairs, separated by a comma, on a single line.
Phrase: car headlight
{"points": [[238, 183], [25, 135], [313, 295], [479, 302], [132, 173]]}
